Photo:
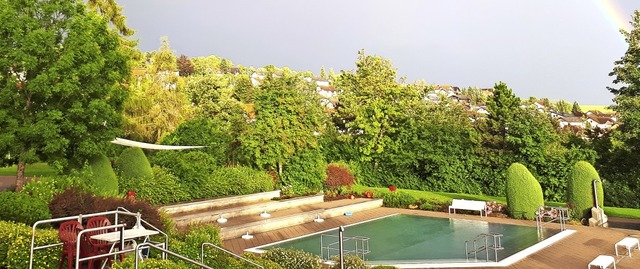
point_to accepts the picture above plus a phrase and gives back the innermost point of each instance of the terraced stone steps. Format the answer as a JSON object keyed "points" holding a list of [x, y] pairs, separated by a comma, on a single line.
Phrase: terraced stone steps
{"points": [[243, 212]]}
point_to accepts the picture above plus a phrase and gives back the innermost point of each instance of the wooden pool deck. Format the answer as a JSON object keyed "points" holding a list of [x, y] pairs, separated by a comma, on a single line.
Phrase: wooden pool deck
{"points": [[574, 251]]}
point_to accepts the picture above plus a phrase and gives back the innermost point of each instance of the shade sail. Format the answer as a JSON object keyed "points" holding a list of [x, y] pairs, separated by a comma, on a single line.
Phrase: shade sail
{"points": [[131, 143]]}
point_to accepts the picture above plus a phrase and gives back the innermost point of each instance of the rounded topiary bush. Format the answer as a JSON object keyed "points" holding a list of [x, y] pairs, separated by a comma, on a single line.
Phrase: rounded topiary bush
{"points": [[132, 163], [580, 189], [103, 181], [162, 188], [524, 194]]}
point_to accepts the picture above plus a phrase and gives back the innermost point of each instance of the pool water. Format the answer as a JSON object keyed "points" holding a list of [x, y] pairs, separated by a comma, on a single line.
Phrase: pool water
{"points": [[419, 239]]}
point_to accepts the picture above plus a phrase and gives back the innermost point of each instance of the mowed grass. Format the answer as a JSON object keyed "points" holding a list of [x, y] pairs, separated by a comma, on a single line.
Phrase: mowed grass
{"points": [[30, 170], [444, 197], [601, 108]]}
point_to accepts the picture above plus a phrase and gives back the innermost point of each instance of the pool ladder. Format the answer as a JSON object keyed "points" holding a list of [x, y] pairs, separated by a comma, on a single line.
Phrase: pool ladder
{"points": [[478, 247]]}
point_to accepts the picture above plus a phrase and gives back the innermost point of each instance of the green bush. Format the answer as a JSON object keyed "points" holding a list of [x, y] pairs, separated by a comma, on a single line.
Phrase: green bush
{"points": [[293, 258], [240, 180], [45, 188], [306, 171], [580, 189], [151, 263], [193, 168], [104, 181], [16, 242], [398, 199], [190, 242], [132, 163], [20, 207], [524, 194], [350, 262], [162, 188]]}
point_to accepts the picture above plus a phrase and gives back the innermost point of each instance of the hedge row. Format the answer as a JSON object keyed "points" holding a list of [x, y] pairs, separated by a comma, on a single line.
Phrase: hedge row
{"points": [[16, 242]]}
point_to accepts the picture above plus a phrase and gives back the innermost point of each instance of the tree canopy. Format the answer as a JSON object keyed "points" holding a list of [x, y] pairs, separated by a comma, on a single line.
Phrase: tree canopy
{"points": [[61, 83]]}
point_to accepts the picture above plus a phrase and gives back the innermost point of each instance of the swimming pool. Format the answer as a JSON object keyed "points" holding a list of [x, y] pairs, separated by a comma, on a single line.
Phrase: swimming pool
{"points": [[408, 239]]}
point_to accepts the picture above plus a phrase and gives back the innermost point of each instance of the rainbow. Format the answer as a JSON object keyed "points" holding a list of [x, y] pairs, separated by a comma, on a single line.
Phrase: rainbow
{"points": [[615, 14]]}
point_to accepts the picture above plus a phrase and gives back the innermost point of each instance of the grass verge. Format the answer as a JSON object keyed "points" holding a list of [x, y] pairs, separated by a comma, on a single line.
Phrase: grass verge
{"points": [[633, 213], [30, 170]]}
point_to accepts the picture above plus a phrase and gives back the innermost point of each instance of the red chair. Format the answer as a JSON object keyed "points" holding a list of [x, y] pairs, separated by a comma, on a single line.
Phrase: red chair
{"points": [[68, 234], [97, 247]]}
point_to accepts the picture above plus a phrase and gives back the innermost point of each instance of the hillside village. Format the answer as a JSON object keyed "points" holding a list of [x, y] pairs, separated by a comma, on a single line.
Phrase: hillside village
{"points": [[578, 122]]}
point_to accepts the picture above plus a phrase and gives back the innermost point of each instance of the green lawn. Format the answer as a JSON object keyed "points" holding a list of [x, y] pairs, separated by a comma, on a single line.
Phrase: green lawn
{"points": [[447, 197], [36, 169]]}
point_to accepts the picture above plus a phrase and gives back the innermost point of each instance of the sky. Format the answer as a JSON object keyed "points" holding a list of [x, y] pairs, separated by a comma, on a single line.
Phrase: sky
{"points": [[543, 48]]}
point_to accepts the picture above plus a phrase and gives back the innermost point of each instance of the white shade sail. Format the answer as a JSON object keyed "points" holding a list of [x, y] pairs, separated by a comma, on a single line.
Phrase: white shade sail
{"points": [[131, 143]]}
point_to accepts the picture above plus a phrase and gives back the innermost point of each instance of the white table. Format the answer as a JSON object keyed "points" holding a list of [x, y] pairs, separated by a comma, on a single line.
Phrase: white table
{"points": [[628, 243], [602, 262], [127, 235], [113, 237]]}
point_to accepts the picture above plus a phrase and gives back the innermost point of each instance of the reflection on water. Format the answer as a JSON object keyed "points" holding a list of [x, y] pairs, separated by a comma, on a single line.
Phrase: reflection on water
{"points": [[408, 238]]}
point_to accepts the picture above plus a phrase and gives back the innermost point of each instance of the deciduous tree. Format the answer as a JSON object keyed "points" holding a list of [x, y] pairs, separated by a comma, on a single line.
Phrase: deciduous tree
{"points": [[61, 83]]}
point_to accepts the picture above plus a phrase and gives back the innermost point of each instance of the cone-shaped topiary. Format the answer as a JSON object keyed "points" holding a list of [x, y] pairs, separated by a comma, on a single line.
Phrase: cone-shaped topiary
{"points": [[104, 181], [580, 189], [524, 194], [132, 163]]}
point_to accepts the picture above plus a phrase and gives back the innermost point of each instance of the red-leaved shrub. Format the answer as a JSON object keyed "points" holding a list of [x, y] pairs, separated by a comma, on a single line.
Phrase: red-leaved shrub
{"points": [[338, 176], [74, 202]]}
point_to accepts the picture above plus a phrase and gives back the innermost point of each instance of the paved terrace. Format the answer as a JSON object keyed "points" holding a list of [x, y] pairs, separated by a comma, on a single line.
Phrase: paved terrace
{"points": [[575, 251]]}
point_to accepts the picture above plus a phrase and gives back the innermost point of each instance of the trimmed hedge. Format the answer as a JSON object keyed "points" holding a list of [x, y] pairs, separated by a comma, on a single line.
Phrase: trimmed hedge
{"points": [[162, 188], [580, 189], [524, 194], [22, 208], [104, 181], [132, 163], [16, 241], [398, 199]]}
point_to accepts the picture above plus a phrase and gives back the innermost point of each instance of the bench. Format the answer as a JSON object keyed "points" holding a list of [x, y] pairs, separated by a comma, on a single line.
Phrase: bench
{"points": [[468, 205], [602, 262], [629, 243]]}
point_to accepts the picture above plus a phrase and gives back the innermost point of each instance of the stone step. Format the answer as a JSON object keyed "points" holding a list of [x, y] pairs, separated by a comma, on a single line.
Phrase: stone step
{"points": [[237, 227], [224, 202], [252, 209]]}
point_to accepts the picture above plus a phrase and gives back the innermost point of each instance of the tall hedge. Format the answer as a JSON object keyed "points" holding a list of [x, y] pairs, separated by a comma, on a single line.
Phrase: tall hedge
{"points": [[103, 181], [132, 163], [524, 194], [580, 189]]}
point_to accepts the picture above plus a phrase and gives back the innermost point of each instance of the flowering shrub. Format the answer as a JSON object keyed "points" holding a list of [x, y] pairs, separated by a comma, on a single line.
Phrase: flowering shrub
{"points": [[392, 188], [293, 259], [495, 207], [368, 194], [350, 262]]}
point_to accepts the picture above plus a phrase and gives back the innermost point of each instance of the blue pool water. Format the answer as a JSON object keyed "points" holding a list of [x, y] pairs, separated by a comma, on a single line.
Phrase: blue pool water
{"points": [[418, 239]]}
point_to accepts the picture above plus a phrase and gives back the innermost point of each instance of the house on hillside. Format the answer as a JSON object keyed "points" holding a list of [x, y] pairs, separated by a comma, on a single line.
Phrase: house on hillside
{"points": [[602, 122], [571, 121]]}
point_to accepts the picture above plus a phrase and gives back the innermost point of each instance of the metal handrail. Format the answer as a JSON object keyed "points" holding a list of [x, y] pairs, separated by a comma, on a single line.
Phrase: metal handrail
{"points": [[83, 231], [226, 251], [117, 212], [166, 251], [497, 245], [78, 217], [166, 236]]}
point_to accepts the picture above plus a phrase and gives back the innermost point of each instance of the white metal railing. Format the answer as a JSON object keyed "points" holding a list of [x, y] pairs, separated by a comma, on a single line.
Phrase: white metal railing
{"points": [[227, 252], [79, 218], [164, 252], [486, 247], [357, 246], [548, 214]]}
